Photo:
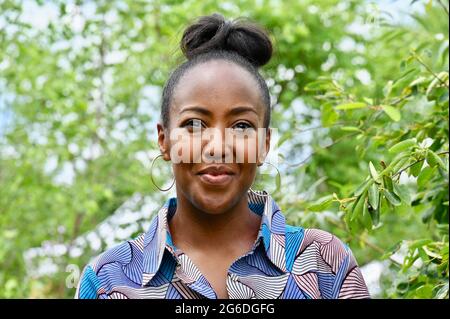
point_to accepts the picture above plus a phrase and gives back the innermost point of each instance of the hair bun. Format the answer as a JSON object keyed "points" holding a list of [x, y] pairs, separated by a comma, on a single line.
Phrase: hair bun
{"points": [[214, 32]]}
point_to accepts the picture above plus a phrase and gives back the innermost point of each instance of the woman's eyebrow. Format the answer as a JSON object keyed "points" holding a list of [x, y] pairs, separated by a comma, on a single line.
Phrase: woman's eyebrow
{"points": [[242, 109], [205, 111], [197, 109]]}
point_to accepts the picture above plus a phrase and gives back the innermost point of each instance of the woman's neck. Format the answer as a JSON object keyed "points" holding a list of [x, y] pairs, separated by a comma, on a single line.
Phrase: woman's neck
{"points": [[190, 227]]}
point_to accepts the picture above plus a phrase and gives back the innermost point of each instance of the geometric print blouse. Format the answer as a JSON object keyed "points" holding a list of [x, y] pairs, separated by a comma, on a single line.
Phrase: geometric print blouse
{"points": [[285, 262]]}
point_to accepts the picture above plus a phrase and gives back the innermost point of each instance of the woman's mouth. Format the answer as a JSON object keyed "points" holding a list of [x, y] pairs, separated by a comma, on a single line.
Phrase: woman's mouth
{"points": [[216, 174], [220, 179]]}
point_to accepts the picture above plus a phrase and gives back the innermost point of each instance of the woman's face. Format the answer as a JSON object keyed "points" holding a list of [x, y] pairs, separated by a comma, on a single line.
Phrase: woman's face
{"points": [[212, 138]]}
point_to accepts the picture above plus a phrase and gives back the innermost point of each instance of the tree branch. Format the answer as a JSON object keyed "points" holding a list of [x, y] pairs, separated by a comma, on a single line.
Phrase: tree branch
{"points": [[328, 146], [421, 160], [443, 6], [378, 249], [419, 59]]}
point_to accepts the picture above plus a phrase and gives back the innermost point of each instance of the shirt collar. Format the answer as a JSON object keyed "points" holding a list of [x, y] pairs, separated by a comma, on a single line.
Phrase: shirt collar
{"points": [[271, 233]]}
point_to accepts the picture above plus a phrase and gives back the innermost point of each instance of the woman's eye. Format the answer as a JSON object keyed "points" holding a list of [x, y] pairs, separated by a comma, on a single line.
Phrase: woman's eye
{"points": [[194, 123], [242, 126]]}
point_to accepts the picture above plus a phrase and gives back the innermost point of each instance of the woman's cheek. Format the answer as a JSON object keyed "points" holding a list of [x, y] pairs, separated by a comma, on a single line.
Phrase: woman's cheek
{"points": [[246, 150], [185, 147]]}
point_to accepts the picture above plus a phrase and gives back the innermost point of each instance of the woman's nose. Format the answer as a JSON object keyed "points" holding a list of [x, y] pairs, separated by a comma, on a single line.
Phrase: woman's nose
{"points": [[216, 147]]}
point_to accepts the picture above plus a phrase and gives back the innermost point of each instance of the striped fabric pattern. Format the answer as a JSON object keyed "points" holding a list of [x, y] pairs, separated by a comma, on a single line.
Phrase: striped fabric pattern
{"points": [[286, 262]]}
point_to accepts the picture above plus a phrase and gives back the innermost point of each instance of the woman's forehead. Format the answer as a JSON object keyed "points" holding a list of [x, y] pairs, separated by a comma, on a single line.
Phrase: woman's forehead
{"points": [[217, 82]]}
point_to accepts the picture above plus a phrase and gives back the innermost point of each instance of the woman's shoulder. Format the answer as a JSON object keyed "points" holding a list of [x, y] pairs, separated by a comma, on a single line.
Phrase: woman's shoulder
{"points": [[117, 266], [307, 236], [316, 244], [317, 256], [120, 255], [321, 237]]}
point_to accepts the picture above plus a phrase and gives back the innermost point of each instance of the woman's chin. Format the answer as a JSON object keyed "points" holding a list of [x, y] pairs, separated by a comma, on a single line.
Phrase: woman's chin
{"points": [[214, 203]]}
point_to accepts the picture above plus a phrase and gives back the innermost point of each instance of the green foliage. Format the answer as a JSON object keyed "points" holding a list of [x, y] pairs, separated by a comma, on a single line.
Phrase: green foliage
{"points": [[411, 142], [77, 97]]}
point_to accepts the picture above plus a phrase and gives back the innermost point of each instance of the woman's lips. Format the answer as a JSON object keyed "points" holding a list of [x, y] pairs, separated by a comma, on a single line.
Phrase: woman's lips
{"points": [[219, 179]]}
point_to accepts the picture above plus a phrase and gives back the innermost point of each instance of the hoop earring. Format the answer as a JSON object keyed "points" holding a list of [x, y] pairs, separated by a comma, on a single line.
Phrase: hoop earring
{"points": [[151, 176], [278, 182]]}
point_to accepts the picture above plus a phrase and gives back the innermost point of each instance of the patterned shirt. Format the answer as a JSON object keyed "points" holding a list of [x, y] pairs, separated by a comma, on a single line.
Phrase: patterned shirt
{"points": [[285, 262]]}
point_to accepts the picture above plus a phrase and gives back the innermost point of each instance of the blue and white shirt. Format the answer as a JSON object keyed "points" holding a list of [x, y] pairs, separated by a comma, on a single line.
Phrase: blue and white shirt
{"points": [[286, 262]]}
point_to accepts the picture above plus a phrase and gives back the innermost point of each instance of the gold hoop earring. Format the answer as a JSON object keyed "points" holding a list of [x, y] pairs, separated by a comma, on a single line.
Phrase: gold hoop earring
{"points": [[278, 182], [151, 176]]}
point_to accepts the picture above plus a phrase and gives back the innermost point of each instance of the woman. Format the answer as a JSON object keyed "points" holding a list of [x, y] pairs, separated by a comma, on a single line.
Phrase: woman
{"points": [[218, 238]]}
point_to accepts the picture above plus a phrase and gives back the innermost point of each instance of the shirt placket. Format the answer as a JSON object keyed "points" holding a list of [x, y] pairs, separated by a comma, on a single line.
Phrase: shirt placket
{"points": [[199, 285], [235, 277]]}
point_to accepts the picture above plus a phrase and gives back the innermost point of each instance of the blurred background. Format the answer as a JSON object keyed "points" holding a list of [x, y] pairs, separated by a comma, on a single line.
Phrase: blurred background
{"points": [[360, 100]]}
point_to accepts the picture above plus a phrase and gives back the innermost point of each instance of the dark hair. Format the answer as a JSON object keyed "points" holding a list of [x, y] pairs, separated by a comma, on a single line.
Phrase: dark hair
{"points": [[214, 38]]}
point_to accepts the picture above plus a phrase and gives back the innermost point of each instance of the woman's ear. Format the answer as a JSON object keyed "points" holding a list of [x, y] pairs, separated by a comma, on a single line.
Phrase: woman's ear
{"points": [[266, 148], [163, 141]]}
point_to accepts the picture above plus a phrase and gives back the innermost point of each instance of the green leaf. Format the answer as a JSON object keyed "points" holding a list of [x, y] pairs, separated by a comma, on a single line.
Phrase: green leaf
{"points": [[415, 169], [403, 145], [348, 214], [392, 250], [388, 88], [278, 182], [387, 181], [351, 129], [374, 194], [441, 77], [399, 157], [374, 173], [442, 293], [392, 112], [392, 197], [375, 211], [418, 80], [368, 100], [434, 160], [363, 187], [10, 233], [350, 106], [405, 78], [427, 214], [351, 222], [443, 98], [400, 164], [425, 175], [403, 192], [320, 85], [328, 115], [425, 291], [321, 204], [358, 207], [431, 254], [365, 217]]}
